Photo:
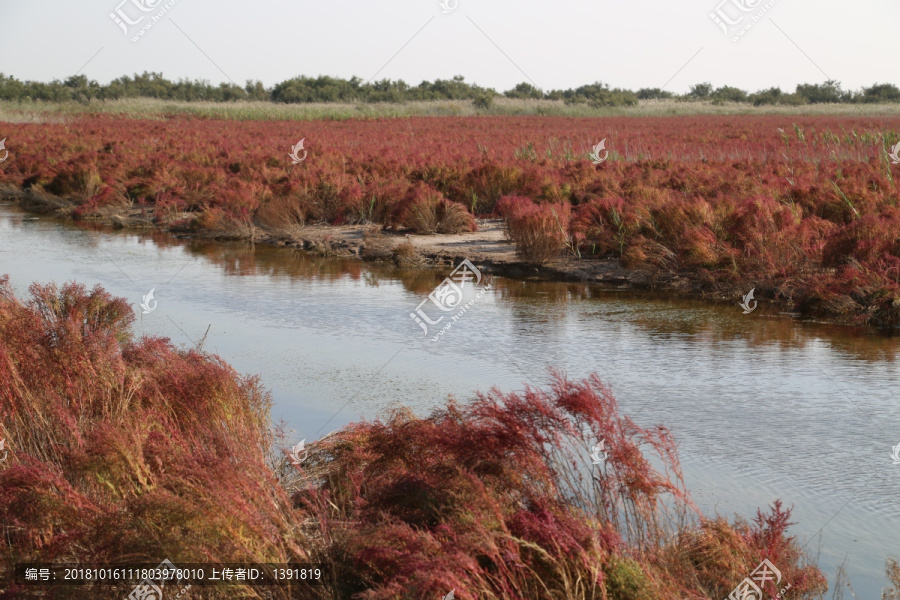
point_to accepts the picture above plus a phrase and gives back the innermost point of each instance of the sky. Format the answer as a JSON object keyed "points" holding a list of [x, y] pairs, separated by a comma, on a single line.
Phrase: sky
{"points": [[494, 43]]}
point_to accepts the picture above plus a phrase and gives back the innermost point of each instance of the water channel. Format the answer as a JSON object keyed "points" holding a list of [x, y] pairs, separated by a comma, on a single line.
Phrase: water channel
{"points": [[763, 406]]}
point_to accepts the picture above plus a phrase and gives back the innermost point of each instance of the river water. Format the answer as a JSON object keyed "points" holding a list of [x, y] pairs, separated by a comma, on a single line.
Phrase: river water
{"points": [[763, 406]]}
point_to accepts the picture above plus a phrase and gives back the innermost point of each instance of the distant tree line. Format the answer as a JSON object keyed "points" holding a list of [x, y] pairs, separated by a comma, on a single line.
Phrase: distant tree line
{"points": [[331, 89]]}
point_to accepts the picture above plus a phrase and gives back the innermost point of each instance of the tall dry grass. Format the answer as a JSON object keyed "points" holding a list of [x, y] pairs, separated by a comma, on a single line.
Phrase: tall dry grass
{"points": [[42, 112]]}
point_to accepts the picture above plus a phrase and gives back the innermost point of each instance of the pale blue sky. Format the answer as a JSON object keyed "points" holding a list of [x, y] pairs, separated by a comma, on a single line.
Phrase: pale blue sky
{"points": [[556, 45]]}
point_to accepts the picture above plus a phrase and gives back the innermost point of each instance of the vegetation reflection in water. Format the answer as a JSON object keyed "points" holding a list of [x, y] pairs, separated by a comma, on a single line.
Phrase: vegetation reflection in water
{"points": [[660, 315]]}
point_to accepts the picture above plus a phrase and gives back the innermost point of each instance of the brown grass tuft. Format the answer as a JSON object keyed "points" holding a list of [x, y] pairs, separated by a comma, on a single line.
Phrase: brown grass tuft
{"points": [[539, 232], [428, 212]]}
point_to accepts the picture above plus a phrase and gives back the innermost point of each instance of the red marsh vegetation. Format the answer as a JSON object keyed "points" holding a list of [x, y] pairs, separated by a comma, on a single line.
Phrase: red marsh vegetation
{"points": [[125, 449], [802, 208]]}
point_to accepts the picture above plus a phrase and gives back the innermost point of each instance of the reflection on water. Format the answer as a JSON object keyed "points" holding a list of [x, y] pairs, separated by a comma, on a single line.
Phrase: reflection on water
{"points": [[763, 406], [678, 317]]}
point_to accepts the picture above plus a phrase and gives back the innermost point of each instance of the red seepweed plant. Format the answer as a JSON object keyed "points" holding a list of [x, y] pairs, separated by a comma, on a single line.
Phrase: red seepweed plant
{"points": [[539, 232], [727, 205], [127, 451], [124, 450], [499, 499], [427, 211]]}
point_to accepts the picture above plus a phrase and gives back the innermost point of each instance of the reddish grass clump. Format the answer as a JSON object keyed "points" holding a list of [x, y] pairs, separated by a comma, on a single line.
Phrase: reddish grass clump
{"points": [[499, 500], [538, 231], [720, 204], [428, 212], [124, 450]]}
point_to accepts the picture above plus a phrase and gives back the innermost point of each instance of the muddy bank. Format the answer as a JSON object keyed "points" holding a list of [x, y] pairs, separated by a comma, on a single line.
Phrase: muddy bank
{"points": [[488, 248]]}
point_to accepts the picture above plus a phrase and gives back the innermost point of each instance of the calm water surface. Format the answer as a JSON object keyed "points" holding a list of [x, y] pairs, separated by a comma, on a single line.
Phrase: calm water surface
{"points": [[763, 407]]}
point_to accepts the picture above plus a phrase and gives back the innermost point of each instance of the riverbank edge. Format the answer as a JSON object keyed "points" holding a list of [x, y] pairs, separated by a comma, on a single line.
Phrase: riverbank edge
{"points": [[487, 248]]}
